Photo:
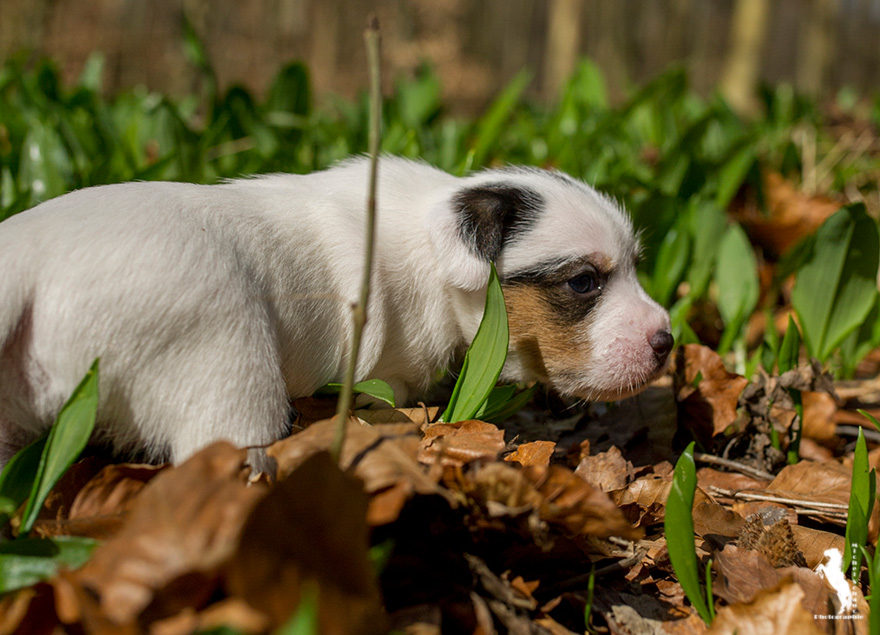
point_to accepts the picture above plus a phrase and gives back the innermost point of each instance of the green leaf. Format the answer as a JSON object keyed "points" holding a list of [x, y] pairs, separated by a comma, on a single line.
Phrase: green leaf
{"points": [[489, 128], [679, 529], [736, 274], [836, 286], [375, 388], [502, 403], [26, 561], [17, 477], [672, 260], [484, 359], [789, 350], [68, 437], [861, 504], [732, 175], [304, 620]]}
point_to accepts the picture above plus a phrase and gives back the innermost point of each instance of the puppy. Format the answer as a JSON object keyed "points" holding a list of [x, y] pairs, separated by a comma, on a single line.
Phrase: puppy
{"points": [[210, 306]]}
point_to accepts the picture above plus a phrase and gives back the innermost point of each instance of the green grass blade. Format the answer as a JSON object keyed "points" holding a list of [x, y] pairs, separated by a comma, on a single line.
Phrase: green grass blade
{"points": [[375, 388], [484, 359], [861, 504], [500, 410], [679, 528], [789, 350], [835, 287], [490, 127], [67, 439], [17, 478], [26, 561]]}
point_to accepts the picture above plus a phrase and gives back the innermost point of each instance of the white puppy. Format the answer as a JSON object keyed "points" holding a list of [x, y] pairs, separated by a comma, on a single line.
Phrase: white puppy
{"points": [[209, 306]]}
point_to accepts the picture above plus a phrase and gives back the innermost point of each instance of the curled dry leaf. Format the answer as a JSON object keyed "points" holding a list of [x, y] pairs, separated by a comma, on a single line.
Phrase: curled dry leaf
{"points": [[554, 493], [777, 611], [607, 470], [743, 574], [184, 525], [310, 530], [706, 392], [788, 216], [534, 453], [461, 442], [644, 500], [382, 456]]}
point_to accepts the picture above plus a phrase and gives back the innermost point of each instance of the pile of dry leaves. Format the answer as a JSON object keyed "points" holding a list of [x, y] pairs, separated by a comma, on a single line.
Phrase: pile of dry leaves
{"points": [[465, 527]]}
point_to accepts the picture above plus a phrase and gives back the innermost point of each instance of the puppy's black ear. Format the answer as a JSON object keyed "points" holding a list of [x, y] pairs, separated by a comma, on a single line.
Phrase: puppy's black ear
{"points": [[473, 225]]}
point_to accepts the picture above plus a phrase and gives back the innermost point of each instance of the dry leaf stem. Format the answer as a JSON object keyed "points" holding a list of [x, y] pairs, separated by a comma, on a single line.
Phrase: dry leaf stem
{"points": [[359, 316]]}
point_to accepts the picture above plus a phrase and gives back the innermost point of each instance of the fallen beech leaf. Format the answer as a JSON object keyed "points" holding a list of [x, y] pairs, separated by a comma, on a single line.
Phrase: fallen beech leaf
{"points": [[743, 574], [185, 522], [708, 406], [310, 529], [461, 442], [788, 216], [712, 519], [607, 470], [113, 490], [827, 482], [382, 456], [708, 477], [773, 612], [419, 416], [550, 494], [534, 453], [813, 543], [644, 500]]}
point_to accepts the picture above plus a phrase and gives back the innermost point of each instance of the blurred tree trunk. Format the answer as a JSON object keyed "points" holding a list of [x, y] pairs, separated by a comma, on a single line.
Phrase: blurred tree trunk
{"points": [[563, 45], [743, 61], [816, 35]]}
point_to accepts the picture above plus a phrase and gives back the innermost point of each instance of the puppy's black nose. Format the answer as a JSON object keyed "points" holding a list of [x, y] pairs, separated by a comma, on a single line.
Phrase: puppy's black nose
{"points": [[661, 342]]}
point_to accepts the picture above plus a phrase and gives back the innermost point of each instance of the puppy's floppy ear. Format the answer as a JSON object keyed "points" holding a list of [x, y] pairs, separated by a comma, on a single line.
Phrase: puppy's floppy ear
{"points": [[471, 227]]}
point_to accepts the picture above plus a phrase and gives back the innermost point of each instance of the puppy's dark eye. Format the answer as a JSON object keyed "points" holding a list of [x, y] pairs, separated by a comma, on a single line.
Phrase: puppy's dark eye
{"points": [[587, 282]]}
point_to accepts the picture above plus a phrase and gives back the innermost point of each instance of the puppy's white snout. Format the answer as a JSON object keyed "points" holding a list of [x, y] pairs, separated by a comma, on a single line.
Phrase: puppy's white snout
{"points": [[661, 342]]}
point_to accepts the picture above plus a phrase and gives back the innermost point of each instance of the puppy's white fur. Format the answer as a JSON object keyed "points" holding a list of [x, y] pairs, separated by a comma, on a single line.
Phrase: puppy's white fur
{"points": [[209, 306]]}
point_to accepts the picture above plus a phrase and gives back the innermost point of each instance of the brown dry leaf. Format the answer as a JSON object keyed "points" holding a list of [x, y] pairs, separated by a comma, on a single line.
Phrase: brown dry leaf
{"points": [[790, 215], [773, 612], [552, 492], [182, 528], [382, 456], [607, 470], [712, 519], [706, 407], [534, 453], [460, 443], [708, 477], [113, 490], [644, 500], [743, 574], [827, 482], [310, 532], [813, 543], [419, 416]]}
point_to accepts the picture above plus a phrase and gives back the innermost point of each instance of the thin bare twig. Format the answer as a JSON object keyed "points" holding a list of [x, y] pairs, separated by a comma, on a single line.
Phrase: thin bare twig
{"points": [[748, 470], [372, 40]]}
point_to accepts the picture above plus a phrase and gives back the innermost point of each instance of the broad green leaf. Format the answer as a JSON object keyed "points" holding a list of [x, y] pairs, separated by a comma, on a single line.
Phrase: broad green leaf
{"points": [[17, 478], [484, 358], [874, 583], [789, 350], [26, 561], [836, 286], [861, 504], [708, 223], [732, 175], [679, 529], [67, 439], [672, 261], [304, 620], [503, 403], [736, 274], [489, 128], [373, 387]]}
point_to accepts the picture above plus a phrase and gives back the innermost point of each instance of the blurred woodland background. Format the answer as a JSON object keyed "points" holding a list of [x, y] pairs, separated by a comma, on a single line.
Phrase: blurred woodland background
{"points": [[476, 46]]}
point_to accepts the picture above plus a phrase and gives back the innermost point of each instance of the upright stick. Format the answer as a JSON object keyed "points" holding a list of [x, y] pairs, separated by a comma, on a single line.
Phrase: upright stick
{"points": [[372, 39]]}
